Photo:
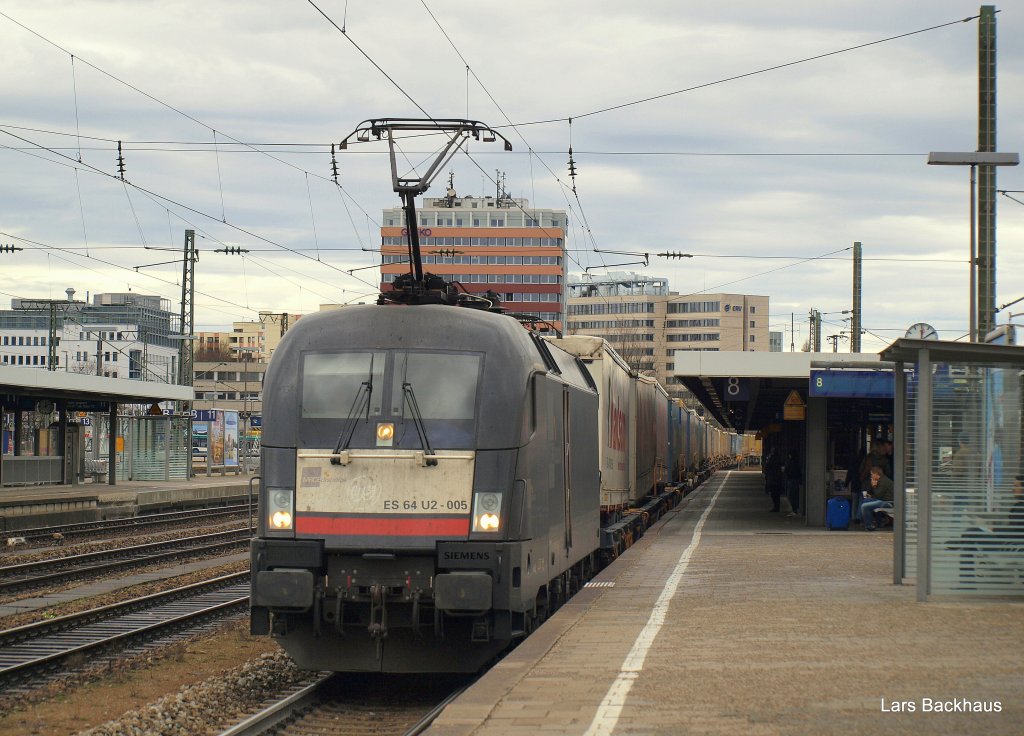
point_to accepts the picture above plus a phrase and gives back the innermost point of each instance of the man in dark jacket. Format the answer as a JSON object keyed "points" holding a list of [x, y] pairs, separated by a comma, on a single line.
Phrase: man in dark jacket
{"points": [[878, 495], [794, 473]]}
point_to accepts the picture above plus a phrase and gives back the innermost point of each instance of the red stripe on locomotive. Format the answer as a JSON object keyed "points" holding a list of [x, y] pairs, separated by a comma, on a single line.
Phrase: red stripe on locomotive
{"points": [[382, 526]]}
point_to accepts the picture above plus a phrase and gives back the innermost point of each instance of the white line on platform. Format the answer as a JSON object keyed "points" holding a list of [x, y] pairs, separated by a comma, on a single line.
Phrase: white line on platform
{"points": [[607, 716]]}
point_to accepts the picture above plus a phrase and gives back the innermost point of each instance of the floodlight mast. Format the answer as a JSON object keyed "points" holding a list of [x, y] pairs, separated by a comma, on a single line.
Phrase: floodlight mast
{"points": [[408, 187]]}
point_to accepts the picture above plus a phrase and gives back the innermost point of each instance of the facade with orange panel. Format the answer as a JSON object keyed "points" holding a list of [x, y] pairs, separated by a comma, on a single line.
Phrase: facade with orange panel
{"points": [[497, 244]]}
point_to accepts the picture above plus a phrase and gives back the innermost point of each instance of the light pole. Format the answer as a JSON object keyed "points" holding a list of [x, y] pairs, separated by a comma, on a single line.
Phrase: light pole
{"points": [[980, 310], [244, 444]]}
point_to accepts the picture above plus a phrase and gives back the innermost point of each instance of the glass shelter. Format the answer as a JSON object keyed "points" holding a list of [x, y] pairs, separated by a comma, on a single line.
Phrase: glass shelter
{"points": [[959, 511]]}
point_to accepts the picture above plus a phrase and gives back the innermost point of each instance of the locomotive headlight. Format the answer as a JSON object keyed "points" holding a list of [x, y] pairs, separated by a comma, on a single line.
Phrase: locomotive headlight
{"points": [[280, 509], [385, 434], [486, 511]]}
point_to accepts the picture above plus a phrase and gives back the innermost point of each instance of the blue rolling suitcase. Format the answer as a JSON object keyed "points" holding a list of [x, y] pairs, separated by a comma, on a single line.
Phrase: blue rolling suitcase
{"points": [[837, 513]]}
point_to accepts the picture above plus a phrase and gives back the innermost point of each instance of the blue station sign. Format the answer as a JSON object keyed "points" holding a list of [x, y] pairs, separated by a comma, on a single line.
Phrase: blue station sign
{"points": [[852, 384]]}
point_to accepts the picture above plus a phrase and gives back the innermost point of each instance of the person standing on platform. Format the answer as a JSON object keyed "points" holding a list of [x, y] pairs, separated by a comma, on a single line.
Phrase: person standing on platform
{"points": [[774, 479], [964, 468], [794, 473], [887, 451], [878, 495]]}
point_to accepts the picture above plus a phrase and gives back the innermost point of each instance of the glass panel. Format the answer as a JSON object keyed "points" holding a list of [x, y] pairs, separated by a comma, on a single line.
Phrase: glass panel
{"points": [[977, 502], [331, 382], [444, 384], [910, 479]]}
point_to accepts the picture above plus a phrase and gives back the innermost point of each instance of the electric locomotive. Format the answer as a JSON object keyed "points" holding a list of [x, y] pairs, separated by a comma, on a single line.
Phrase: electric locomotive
{"points": [[430, 488]]}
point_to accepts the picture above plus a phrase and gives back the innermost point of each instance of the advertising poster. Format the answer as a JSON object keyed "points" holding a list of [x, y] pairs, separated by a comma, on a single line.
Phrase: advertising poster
{"points": [[216, 439], [231, 439]]}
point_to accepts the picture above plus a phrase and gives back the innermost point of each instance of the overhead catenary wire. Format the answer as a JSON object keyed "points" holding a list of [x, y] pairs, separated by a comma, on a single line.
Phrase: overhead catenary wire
{"points": [[753, 73], [344, 198], [167, 105], [93, 169]]}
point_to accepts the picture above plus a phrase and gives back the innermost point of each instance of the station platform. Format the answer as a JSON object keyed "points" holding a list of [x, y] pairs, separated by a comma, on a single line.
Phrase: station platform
{"points": [[728, 619], [24, 507]]}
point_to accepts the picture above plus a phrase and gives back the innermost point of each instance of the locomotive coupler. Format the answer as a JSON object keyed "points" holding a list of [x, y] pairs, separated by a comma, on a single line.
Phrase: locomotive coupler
{"points": [[339, 612], [416, 613], [378, 627]]}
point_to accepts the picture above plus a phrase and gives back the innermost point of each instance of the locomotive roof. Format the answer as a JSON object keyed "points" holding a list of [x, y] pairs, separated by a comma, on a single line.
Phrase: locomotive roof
{"points": [[390, 326]]}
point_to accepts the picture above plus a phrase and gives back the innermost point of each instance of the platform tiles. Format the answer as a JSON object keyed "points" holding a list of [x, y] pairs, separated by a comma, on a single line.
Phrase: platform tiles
{"points": [[728, 619]]}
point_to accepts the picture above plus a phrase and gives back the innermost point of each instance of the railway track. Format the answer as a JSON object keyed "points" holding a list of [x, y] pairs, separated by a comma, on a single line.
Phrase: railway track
{"points": [[28, 653], [46, 534], [356, 705], [16, 578]]}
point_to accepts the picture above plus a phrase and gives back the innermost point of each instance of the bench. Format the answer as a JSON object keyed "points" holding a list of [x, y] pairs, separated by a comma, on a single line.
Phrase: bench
{"points": [[96, 469], [888, 516]]}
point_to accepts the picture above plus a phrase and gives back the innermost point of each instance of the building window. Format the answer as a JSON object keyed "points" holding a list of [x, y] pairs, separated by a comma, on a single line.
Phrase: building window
{"points": [[753, 309], [751, 323], [751, 338]]}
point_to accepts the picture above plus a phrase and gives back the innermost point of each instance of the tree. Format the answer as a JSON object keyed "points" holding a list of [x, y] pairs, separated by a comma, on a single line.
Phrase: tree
{"points": [[211, 354]]}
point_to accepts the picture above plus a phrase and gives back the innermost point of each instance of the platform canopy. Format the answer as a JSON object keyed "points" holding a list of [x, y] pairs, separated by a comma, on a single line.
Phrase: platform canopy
{"points": [[23, 387], [744, 390]]}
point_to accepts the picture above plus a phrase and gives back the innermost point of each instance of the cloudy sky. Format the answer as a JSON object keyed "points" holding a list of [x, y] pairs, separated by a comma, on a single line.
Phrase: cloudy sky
{"points": [[226, 112]]}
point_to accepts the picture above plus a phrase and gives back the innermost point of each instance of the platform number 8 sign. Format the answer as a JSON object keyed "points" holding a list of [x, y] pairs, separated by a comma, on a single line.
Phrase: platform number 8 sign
{"points": [[736, 389]]}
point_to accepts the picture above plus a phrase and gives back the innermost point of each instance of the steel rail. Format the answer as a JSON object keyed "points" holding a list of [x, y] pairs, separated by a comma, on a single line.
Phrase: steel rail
{"points": [[31, 574], [131, 522], [24, 661], [46, 627]]}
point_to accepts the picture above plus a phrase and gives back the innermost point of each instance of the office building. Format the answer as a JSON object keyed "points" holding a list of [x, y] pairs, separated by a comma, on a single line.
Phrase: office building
{"points": [[497, 244], [647, 323], [118, 335]]}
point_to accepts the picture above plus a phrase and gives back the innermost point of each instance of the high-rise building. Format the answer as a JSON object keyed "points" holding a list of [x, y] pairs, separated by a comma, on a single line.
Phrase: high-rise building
{"points": [[647, 323], [497, 244]]}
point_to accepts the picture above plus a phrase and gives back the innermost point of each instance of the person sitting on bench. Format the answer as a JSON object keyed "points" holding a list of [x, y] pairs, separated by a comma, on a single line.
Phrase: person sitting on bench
{"points": [[878, 495]]}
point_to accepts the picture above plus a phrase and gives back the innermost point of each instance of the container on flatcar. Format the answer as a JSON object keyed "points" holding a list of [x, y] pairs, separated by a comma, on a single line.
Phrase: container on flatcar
{"points": [[614, 381]]}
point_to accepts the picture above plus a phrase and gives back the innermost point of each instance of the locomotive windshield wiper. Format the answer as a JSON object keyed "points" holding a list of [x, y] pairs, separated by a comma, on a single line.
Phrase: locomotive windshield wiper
{"points": [[361, 401], [417, 418]]}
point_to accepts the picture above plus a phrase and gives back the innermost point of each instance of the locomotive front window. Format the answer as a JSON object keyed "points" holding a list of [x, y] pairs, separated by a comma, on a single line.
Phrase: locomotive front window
{"points": [[444, 385], [333, 384]]}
